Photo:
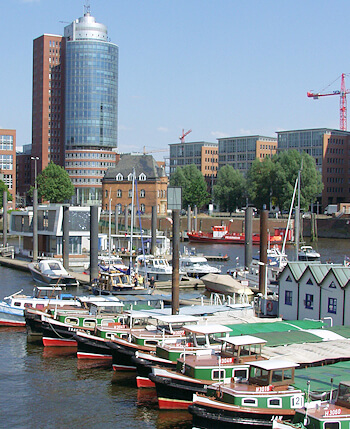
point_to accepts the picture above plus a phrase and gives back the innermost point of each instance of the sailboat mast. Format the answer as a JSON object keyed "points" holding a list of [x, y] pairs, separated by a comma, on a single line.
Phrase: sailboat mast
{"points": [[132, 217]]}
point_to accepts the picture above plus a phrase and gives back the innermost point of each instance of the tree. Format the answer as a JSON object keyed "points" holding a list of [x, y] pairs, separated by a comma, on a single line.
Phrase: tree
{"points": [[3, 188], [54, 184], [230, 189], [261, 183], [273, 180], [194, 188], [311, 180]]}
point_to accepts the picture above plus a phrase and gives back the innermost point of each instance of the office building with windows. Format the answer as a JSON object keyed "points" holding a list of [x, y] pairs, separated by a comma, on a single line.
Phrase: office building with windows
{"points": [[75, 105], [240, 152], [8, 162], [331, 150]]}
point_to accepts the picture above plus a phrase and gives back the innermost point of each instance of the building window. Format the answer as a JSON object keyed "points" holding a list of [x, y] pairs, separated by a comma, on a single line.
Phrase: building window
{"points": [[142, 177], [332, 285], [332, 305], [288, 297], [309, 282], [119, 177], [142, 208], [130, 177], [119, 193], [142, 193], [309, 301], [130, 193], [288, 279]]}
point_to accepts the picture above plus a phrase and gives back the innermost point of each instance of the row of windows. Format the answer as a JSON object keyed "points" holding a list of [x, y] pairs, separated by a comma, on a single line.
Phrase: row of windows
{"points": [[87, 172], [6, 162], [335, 170], [211, 152], [6, 142], [309, 301], [119, 177], [335, 160], [336, 190], [335, 150], [335, 180], [80, 180], [96, 155], [89, 164], [160, 193]]}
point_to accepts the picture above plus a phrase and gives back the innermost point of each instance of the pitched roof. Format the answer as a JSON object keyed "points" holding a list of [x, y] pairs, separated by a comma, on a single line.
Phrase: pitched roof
{"points": [[341, 273], [141, 163]]}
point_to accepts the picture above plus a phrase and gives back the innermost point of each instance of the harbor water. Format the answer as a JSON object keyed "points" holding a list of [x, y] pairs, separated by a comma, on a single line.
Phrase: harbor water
{"points": [[49, 388]]}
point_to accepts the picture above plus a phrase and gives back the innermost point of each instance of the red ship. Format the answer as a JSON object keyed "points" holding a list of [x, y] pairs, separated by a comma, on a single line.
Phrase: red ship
{"points": [[221, 234]]}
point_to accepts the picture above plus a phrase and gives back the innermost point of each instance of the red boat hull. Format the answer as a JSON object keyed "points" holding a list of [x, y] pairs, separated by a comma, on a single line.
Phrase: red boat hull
{"points": [[234, 238]]}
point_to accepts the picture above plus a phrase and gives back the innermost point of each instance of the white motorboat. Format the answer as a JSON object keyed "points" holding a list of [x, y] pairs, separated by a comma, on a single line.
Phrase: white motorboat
{"points": [[307, 253], [197, 266], [12, 307], [154, 266], [51, 271]]}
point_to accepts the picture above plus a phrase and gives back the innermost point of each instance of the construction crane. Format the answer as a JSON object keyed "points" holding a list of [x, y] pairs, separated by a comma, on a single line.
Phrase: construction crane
{"points": [[184, 134], [343, 91]]}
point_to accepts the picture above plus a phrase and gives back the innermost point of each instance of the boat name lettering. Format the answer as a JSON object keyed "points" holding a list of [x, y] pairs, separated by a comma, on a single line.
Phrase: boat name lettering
{"points": [[264, 388], [227, 360], [330, 413]]}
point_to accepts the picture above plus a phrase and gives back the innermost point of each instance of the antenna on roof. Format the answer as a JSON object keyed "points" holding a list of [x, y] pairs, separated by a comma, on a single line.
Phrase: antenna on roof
{"points": [[87, 7]]}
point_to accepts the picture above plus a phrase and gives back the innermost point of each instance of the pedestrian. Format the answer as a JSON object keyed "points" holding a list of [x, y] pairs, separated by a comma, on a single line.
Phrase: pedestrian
{"points": [[152, 282]]}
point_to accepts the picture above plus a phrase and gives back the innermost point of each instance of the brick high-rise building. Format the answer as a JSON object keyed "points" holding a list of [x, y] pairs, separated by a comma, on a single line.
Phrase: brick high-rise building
{"points": [[75, 105]]}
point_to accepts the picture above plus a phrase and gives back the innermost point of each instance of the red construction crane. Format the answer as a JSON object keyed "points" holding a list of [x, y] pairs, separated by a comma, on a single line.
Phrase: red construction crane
{"points": [[184, 134], [343, 91]]}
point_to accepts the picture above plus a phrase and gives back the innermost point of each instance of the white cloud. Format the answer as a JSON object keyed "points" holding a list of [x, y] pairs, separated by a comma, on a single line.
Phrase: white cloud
{"points": [[218, 134], [244, 132], [163, 129]]}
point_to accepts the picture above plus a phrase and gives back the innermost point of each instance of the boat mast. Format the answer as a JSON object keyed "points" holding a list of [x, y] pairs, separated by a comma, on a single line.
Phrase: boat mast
{"points": [[297, 216], [289, 216], [109, 228], [132, 217]]}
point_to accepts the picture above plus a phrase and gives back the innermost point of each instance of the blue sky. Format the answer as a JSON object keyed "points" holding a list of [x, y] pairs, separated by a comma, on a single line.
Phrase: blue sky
{"points": [[221, 68]]}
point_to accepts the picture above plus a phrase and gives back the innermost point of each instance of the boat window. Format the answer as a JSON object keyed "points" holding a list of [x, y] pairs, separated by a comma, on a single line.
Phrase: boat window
{"points": [[274, 402], [331, 425], [89, 323], [288, 374], [108, 322], [72, 321], [258, 376], [151, 343], [343, 398], [240, 373], [277, 376], [250, 402], [218, 374], [108, 335], [54, 266], [17, 304]]}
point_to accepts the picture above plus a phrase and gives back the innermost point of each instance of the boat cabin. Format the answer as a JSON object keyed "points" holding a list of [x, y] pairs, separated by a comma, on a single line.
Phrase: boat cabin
{"points": [[174, 323], [219, 231], [242, 348], [343, 398], [205, 335], [272, 372]]}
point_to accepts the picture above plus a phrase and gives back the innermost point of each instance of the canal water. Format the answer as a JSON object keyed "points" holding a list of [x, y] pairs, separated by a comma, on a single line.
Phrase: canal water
{"points": [[49, 388]]}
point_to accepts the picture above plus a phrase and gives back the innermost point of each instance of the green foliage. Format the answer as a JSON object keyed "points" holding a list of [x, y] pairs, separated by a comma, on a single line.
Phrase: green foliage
{"points": [[230, 189], [54, 184], [274, 179], [194, 188], [3, 188]]}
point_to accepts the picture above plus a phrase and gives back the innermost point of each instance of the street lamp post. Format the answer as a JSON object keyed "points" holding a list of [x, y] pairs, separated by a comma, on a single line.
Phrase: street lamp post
{"points": [[35, 211]]}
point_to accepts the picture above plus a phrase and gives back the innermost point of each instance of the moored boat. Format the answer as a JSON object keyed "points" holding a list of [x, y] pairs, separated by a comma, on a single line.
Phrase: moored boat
{"points": [[12, 307], [331, 414], [221, 235], [197, 266], [197, 337], [226, 284], [267, 393], [51, 271], [195, 373]]}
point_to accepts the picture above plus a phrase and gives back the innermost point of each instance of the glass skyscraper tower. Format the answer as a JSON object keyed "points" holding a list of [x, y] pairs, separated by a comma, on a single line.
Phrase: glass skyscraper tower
{"points": [[91, 106]]}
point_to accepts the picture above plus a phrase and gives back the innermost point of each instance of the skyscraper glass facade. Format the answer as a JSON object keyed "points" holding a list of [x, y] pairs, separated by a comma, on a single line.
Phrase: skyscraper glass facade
{"points": [[91, 94]]}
